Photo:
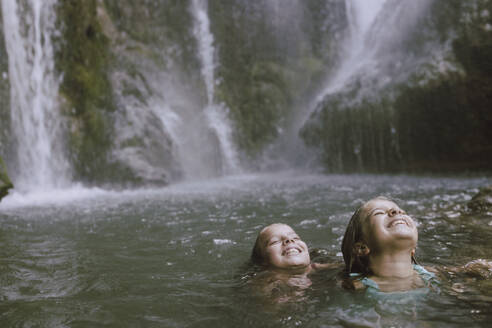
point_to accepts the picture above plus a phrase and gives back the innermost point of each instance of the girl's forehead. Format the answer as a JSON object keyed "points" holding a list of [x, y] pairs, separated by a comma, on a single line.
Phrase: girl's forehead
{"points": [[276, 229], [379, 203]]}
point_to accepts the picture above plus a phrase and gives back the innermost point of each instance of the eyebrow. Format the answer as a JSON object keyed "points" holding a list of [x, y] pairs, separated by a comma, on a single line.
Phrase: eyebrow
{"points": [[289, 234], [375, 209], [383, 209]]}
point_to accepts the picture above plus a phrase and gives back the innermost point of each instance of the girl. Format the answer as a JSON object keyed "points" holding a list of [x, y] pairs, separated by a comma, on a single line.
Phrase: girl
{"points": [[283, 263], [379, 250], [279, 248]]}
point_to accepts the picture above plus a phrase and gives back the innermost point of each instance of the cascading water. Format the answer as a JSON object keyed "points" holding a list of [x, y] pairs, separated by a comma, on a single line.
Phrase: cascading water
{"points": [[216, 114], [358, 52], [357, 114], [36, 123], [374, 27]]}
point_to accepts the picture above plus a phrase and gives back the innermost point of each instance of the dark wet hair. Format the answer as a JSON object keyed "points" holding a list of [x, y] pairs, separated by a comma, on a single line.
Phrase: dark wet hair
{"points": [[354, 234], [257, 257]]}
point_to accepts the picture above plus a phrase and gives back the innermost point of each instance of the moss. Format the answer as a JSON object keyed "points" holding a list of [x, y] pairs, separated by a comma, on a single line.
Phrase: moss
{"points": [[157, 24], [132, 142], [443, 126], [437, 124], [5, 183], [354, 139], [246, 86], [84, 60], [263, 76], [4, 95]]}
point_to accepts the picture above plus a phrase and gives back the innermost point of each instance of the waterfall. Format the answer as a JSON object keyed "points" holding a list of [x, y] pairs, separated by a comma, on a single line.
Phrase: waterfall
{"points": [[216, 114], [376, 28], [358, 53], [36, 123]]}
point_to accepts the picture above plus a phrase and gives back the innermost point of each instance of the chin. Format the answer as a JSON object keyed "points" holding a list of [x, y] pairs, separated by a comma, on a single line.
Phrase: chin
{"points": [[299, 263], [405, 233]]}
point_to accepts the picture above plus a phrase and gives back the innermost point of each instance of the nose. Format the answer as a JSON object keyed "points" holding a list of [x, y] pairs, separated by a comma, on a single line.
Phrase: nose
{"points": [[394, 211], [288, 241]]}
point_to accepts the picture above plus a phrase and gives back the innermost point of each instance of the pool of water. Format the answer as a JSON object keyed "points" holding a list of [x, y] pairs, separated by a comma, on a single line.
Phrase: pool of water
{"points": [[174, 257]]}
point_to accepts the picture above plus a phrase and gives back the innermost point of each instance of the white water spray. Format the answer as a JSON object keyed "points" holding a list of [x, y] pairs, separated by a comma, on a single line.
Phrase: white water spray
{"points": [[356, 55], [216, 114], [358, 52], [36, 122]]}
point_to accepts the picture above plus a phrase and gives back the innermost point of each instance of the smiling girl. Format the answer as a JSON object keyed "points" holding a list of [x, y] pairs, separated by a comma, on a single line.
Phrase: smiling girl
{"points": [[379, 251], [283, 263], [379, 247], [279, 247]]}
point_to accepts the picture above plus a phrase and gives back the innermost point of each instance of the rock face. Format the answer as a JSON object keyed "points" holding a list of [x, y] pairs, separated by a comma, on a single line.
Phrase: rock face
{"points": [[108, 60], [482, 202], [414, 106], [4, 95], [5, 183], [130, 75]]}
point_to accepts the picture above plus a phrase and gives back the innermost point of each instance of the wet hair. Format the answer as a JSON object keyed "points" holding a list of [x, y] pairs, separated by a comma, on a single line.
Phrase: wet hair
{"points": [[257, 257], [354, 234]]}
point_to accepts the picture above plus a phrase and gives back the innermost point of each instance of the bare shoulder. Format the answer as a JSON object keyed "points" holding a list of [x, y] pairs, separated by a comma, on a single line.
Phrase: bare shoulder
{"points": [[431, 269], [353, 284], [479, 268], [325, 266]]}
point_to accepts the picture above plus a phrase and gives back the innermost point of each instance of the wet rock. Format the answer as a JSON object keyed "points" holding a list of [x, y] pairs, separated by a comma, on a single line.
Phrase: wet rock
{"points": [[482, 202], [5, 183]]}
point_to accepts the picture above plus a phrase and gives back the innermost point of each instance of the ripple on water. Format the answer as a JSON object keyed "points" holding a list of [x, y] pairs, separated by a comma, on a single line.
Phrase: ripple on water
{"points": [[171, 256]]}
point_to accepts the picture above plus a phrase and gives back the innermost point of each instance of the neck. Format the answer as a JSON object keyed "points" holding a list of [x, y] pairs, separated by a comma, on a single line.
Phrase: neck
{"points": [[391, 265], [293, 270]]}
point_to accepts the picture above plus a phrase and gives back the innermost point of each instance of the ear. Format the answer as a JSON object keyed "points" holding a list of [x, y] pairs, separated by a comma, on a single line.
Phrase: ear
{"points": [[360, 249]]}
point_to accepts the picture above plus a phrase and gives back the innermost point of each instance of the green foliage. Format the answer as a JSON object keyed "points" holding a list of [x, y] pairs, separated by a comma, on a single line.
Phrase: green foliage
{"points": [[441, 124], [4, 96], [264, 75], [445, 125], [354, 139], [84, 60], [156, 25], [5, 183]]}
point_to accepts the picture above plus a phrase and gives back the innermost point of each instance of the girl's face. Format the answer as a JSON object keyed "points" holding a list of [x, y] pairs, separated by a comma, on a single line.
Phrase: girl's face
{"points": [[386, 226], [283, 248]]}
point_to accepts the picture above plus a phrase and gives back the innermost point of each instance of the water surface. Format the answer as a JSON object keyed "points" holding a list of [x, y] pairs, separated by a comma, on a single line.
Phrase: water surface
{"points": [[174, 257]]}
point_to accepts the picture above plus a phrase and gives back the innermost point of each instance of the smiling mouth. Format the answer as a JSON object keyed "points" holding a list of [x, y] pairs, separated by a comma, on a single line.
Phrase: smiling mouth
{"points": [[397, 222], [291, 251]]}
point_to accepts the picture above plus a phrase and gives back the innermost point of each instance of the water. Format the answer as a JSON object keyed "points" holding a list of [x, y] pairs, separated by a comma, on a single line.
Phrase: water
{"points": [[373, 50], [173, 257], [36, 121], [357, 54], [216, 114]]}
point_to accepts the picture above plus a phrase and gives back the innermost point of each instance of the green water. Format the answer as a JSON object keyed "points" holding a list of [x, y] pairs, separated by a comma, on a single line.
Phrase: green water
{"points": [[174, 257]]}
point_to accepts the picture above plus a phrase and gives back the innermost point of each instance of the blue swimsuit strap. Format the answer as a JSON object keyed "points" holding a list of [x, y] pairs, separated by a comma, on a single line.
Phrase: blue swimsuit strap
{"points": [[423, 273]]}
